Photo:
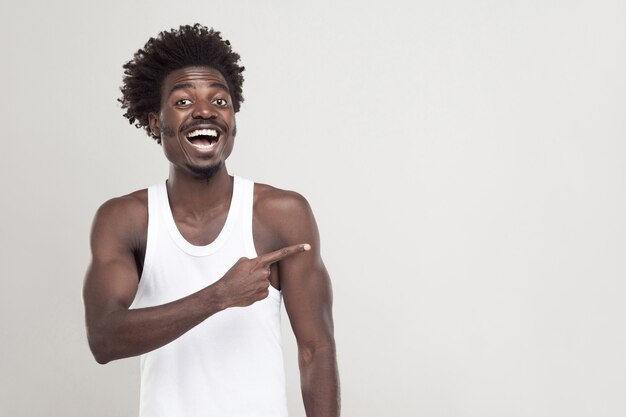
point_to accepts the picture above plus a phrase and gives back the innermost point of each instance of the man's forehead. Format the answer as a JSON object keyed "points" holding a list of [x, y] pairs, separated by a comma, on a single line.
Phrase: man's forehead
{"points": [[194, 76]]}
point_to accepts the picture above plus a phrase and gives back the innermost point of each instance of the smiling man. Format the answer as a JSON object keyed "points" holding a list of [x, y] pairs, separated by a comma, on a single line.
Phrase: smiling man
{"points": [[190, 273]]}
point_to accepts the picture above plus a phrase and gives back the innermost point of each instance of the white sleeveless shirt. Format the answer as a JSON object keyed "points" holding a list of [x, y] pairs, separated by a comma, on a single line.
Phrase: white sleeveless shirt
{"points": [[231, 364]]}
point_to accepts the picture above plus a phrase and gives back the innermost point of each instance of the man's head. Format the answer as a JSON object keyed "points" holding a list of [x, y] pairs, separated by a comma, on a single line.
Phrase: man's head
{"points": [[188, 46]]}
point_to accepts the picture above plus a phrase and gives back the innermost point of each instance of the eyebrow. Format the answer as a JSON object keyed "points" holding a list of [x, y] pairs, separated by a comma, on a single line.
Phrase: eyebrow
{"points": [[183, 86]]}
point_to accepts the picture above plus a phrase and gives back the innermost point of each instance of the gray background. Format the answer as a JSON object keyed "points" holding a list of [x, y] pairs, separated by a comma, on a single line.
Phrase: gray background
{"points": [[465, 161]]}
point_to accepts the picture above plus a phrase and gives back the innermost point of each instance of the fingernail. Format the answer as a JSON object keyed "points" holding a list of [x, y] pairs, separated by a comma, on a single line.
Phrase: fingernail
{"points": [[306, 246]]}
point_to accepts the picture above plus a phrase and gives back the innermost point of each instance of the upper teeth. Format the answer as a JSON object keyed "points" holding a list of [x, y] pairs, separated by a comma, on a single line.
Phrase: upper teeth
{"points": [[202, 132]]}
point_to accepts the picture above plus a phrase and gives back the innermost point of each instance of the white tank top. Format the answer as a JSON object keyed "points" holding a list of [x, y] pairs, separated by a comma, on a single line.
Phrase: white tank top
{"points": [[230, 365]]}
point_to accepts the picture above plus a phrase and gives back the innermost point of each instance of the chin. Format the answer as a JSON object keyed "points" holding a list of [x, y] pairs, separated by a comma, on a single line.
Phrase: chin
{"points": [[205, 173]]}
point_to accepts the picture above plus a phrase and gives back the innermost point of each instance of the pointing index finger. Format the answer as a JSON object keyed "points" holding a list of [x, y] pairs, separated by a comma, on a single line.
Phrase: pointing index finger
{"points": [[269, 258]]}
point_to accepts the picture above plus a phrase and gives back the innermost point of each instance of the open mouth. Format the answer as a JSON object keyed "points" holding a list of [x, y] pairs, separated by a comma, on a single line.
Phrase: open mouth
{"points": [[203, 138]]}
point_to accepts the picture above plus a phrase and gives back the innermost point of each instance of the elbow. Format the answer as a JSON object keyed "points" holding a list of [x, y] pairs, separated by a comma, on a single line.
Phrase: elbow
{"points": [[310, 351], [101, 358], [98, 347]]}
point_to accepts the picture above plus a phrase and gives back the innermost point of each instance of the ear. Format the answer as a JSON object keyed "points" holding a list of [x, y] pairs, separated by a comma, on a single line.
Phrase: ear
{"points": [[155, 126]]}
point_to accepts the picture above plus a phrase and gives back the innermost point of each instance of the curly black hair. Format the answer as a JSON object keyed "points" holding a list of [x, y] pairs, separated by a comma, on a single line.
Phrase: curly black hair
{"points": [[186, 46]]}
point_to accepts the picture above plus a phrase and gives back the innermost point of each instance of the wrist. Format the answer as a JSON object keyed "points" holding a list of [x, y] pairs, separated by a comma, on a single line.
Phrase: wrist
{"points": [[216, 297]]}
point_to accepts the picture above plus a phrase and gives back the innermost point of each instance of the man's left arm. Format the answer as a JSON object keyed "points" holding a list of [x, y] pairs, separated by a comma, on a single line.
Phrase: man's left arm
{"points": [[307, 294]]}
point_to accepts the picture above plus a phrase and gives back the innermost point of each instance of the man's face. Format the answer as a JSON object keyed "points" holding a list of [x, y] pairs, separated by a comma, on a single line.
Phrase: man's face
{"points": [[196, 122]]}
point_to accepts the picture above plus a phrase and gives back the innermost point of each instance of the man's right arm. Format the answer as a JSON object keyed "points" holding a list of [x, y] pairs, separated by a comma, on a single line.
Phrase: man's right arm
{"points": [[113, 330], [111, 283]]}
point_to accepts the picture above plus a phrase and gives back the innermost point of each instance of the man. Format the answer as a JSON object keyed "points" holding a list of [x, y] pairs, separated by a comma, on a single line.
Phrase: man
{"points": [[175, 275]]}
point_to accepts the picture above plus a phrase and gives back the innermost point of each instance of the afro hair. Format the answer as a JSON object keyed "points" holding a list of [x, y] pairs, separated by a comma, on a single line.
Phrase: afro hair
{"points": [[186, 46]]}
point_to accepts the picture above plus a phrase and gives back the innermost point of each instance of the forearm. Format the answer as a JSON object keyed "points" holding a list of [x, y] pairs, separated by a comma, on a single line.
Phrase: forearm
{"points": [[124, 333], [319, 380]]}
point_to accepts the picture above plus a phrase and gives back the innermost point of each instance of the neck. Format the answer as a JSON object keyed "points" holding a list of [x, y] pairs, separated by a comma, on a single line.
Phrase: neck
{"points": [[198, 195]]}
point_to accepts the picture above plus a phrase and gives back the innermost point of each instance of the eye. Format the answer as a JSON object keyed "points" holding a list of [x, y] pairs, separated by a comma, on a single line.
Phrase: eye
{"points": [[220, 102], [183, 102]]}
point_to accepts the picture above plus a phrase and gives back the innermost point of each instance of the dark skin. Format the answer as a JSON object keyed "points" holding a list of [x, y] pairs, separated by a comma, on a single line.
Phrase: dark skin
{"points": [[282, 222]]}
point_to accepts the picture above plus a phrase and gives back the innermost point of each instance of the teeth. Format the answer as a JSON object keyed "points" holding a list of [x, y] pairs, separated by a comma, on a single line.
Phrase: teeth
{"points": [[197, 145], [202, 132]]}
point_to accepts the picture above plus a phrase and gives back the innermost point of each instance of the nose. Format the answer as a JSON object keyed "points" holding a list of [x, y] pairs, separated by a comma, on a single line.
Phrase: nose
{"points": [[203, 110]]}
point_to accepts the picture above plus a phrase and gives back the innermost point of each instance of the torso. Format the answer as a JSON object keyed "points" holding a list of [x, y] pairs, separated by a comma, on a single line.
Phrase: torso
{"points": [[204, 231]]}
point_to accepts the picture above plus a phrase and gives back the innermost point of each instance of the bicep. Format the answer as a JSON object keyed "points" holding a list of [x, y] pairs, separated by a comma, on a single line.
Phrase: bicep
{"points": [[112, 278], [305, 282], [307, 294], [109, 286]]}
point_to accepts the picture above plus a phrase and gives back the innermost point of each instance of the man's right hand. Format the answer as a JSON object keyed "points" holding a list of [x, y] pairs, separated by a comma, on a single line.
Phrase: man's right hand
{"points": [[247, 281]]}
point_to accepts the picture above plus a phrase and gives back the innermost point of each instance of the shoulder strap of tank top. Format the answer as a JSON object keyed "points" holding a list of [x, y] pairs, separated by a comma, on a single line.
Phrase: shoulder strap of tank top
{"points": [[153, 225], [247, 204]]}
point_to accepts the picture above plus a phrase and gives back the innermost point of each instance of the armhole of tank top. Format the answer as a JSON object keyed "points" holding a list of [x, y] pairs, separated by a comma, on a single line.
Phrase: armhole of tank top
{"points": [[153, 223], [248, 225]]}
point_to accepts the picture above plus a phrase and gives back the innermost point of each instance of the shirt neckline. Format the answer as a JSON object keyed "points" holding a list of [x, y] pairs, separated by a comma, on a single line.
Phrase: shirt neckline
{"points": [[223, 235]]}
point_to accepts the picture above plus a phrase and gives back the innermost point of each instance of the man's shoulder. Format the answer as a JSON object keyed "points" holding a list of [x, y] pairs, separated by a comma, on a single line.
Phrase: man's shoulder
{"points": [[131, 203], [286, 213], [272, 200], [127, 212]]}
